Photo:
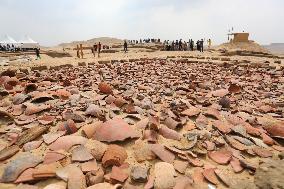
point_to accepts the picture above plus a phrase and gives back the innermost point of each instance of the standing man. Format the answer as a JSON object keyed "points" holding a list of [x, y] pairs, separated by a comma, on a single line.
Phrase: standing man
{"points": [[191, 45], [37, 53], [94, 50], [125, 46], [99, 49], [201, 45], [209, 43]]}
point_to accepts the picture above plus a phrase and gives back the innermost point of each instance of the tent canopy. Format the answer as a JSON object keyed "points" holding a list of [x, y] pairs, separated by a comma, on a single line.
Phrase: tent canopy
{"points": [[25, 42], [8, 40], [28, 40]]}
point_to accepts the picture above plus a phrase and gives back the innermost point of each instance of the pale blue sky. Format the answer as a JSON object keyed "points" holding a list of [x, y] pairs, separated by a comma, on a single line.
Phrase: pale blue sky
{"points": [[55, 21]]}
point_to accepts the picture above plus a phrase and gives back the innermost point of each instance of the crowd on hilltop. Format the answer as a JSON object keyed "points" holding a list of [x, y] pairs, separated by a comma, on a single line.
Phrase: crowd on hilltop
{"points": [[144, 41], [180, 45], [176, 45]]}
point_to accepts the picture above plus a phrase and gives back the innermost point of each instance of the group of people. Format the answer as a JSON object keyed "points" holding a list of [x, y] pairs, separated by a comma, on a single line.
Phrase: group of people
{"points": [[180, 45], [148, 40], [8, 47], [97, 48]]}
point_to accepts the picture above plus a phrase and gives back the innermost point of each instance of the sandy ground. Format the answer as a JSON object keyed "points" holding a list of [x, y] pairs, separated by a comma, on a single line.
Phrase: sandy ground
{"points": [[133, 53]]}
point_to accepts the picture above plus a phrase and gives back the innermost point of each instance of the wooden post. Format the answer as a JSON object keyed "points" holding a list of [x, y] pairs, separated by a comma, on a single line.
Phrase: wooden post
{"points": [[81, 48]]}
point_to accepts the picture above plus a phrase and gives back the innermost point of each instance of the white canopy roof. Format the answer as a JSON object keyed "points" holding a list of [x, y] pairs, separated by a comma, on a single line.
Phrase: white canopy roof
{"points": [[27, 40], [8, 40]]}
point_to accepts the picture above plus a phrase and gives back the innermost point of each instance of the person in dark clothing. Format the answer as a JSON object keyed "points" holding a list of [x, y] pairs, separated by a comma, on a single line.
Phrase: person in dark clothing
{"points": [[125, 46], [37, 53], [173, 46], [99, 49], [180, 45], [198, 45], [191, 45], [201, 45]]}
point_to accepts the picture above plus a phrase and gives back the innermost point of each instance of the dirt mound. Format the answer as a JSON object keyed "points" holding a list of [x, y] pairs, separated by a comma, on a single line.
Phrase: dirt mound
{"points": [[242, 46], [103, 40]]}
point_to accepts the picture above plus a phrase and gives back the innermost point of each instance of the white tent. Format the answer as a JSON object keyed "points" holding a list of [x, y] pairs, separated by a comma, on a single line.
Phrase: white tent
{"points": [[27, 42], [8, 40]]}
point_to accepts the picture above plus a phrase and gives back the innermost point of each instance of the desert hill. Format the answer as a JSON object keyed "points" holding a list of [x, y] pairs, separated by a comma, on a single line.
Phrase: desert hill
{"points": [[103, 40]]}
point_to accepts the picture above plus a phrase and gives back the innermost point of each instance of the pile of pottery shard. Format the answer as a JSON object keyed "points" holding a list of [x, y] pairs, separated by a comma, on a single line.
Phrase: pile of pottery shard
{"points": [[152, 123]]}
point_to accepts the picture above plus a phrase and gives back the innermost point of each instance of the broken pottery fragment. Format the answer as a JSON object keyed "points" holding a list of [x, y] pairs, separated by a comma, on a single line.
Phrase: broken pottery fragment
{"points": [[210, 175], [169, 133], [164, 175], [97, 149], [162, 153], [150, 136], [26, 175], [52, 157], [32, 145], [69, 127], [89, 166], [33, 108], [221, 156], [95, 177], [262, 152], [31, 134], [192, 111], [76, 117], [171, 123], [183, 182], [275, 130], [81, 154], [94, 110], [90, 129], [105, 88], [118, 174], [14, 168], [139, 174], [180, 166], [114, 155], [51, 137], [222, 126], [46, 119], [234, 88], [46, 170], [115, 129], [66, 142], [236, 165], [142, 151], [8, 152]]}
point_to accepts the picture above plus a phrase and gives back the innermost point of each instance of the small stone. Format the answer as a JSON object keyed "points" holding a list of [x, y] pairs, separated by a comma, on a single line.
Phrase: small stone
{"points": [[139, 174]]}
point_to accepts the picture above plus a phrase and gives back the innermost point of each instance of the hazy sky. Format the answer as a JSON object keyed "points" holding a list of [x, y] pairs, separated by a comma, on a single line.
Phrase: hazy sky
{"points": [[55, 21]]}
